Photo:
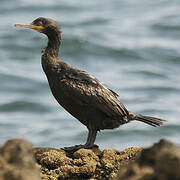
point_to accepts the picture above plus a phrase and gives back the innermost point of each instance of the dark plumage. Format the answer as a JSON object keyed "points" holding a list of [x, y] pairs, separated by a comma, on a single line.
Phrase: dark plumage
{"points": [[82, 95]]}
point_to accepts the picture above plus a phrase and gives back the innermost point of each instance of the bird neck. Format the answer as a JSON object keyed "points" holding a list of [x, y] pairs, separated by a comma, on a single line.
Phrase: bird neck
{"points": [[54, 42], [50, 54]]}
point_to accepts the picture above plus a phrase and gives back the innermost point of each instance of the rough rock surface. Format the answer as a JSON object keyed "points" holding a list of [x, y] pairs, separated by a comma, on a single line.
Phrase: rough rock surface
{"points": [[159, 162], [84, 163], [17, 161]]}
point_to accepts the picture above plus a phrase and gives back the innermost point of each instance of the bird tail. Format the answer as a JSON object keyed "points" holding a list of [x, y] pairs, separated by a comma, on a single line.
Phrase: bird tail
{"points": [[149, 120]]}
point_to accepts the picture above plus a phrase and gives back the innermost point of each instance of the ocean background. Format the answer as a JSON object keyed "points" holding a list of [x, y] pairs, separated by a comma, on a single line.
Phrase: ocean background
{"points": [[131, 46]]}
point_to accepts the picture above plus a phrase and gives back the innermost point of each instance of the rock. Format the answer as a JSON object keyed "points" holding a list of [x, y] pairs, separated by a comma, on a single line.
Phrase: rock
{"points": [[17, 161], [83, 164], [160, 162]]}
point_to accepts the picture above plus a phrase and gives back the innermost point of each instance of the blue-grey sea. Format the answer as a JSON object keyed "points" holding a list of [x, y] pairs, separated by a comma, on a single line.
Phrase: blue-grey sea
{"points": [[133, 46]]}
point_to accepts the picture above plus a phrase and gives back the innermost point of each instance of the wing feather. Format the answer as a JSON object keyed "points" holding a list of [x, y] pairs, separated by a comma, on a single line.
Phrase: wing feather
{"points": [[87, 90]]}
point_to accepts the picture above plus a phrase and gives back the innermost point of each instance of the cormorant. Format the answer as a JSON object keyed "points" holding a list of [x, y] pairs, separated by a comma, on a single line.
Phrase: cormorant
{"points": [[82, 95]]}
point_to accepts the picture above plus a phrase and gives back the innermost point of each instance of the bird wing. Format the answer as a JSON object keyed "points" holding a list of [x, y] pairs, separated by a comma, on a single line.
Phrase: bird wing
{"points": [[87, 90]]}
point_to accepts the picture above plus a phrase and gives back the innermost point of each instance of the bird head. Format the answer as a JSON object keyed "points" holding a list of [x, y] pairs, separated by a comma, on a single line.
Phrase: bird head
{"points": [[43, 25]]}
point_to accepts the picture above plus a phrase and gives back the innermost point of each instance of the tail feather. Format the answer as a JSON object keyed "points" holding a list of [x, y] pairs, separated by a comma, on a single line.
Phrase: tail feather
{"points": [[149, 120]]}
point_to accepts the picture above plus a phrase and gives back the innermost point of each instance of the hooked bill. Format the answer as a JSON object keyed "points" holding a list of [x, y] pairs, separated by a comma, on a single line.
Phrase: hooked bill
{"points": [[19, 25]]}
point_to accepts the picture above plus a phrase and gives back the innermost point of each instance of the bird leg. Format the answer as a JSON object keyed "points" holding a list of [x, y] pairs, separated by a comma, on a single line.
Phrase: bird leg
{"points": [[89, 143], [91, 138]]}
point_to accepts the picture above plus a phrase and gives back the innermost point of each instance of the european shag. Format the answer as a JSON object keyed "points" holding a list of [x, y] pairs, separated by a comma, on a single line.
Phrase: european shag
{"points": [[83, 96]]}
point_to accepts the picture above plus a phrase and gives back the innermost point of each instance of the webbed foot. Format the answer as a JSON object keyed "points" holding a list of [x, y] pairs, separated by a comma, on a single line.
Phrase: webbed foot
{"points": [[88, 145], [77, 147]]}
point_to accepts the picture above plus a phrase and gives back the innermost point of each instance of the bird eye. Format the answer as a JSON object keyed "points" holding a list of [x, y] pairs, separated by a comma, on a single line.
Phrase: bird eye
{"points": [[43, 22], [40, 23]]}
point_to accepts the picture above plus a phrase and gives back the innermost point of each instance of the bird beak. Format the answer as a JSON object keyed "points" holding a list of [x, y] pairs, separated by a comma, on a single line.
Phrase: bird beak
{"points": [[34, 27]]}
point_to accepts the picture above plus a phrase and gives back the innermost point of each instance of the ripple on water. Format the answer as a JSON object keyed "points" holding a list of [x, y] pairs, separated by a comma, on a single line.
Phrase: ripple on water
{"points": [[132, 50]]}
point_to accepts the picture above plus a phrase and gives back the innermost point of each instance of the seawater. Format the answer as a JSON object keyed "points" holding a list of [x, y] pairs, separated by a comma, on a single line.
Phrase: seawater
{"points": [[132, 46]]}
